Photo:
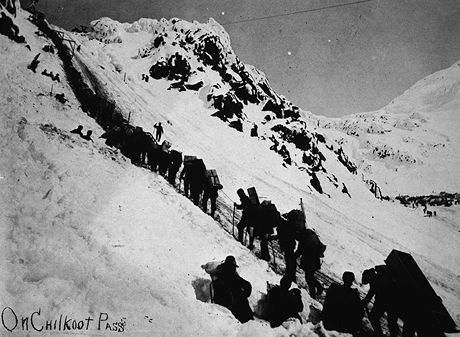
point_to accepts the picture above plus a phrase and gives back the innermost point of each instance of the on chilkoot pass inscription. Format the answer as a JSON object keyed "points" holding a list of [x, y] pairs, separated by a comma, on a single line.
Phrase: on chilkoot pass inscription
{"points": [[13, 321]]}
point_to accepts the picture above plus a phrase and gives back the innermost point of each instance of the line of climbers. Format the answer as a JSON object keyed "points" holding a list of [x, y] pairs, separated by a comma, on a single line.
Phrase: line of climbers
{"points": [[260, 220], [201, 185], [341, 301]]}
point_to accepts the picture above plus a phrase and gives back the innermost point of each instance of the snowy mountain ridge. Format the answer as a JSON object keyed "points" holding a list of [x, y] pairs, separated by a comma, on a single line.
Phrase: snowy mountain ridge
{"points": [[198, 57], [414, 138], [87, 232]]}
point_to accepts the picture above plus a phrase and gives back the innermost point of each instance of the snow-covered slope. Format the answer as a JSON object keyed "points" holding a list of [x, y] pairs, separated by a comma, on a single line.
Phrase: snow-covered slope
{"points": [[86, 232], [411, 146], [360, 230]]}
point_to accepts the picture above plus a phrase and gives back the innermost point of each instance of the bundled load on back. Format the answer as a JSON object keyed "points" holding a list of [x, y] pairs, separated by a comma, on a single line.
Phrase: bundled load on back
{"points": [[419, 306], [211, 187], [185, 175], [175, 162], [197, 179], [297, 221], [229, 289], [212, 179]]}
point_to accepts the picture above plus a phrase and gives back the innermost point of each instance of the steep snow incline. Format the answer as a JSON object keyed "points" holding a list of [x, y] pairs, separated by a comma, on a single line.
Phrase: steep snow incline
{"points": [[411, 145], [359, 231], [84, 232]]}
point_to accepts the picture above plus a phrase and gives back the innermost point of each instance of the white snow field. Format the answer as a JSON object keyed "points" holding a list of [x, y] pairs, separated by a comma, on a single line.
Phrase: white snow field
{"points": [[85, 232]]}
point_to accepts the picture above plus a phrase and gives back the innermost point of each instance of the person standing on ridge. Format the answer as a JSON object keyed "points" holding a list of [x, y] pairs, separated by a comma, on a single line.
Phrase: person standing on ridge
{"points": [[159, 131]]}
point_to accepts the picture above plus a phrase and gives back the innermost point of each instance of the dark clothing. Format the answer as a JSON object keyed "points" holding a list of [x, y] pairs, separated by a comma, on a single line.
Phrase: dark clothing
{"points": [[197, 180], [286, 240], [175, 162], [383, 287], [163, 162], [159, 132], [210, 192], [185, 175], [232, 292], [245, 221], [310, 250], [283, 304], [342, 309], [153, 156]]}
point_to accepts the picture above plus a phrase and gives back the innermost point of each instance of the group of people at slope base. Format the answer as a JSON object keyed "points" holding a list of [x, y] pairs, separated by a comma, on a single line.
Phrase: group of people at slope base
{"points": [[343, 308]]}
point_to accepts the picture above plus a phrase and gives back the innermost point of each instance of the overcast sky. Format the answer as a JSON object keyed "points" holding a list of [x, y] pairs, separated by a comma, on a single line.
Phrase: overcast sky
{"points": [[332, 62]]}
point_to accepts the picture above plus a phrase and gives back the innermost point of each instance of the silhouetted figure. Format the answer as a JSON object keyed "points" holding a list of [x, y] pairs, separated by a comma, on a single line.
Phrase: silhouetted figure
{"points": [[185, 175], [175, 162], [283, 303], [310, 250], [153, 155], [163, 162], [78, 130], [287, 243], [33, 65], [231, 290], [159, 131], [88, 136], [342, 308], [254, 132], [197, 180], [266, 218], [210, 192], [246, 218], [383, 288]]}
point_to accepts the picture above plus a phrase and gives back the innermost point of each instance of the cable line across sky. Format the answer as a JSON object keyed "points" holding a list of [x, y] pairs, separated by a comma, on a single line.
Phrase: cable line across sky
{"points": [[294, 13]]}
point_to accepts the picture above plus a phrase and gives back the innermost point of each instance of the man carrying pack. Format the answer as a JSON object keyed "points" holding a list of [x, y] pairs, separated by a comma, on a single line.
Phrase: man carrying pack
{"points": [[383, 288], [311, 250], [286, 240], [245, 207], [283, 303], [231, 290], [342, 308]]}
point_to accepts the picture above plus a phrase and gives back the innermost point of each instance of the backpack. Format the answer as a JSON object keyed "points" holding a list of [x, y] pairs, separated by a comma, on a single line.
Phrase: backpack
{"points": [[296, 219], [213, 179], [313, 240]]}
